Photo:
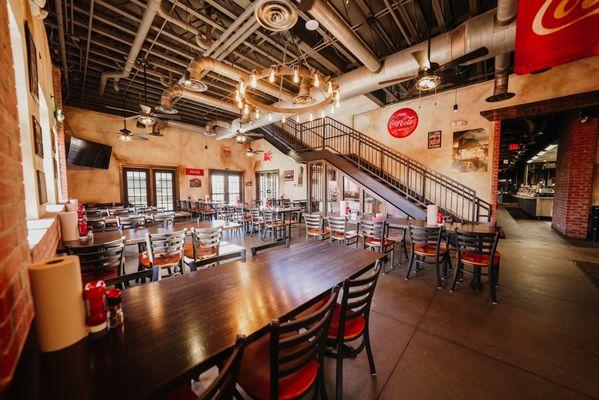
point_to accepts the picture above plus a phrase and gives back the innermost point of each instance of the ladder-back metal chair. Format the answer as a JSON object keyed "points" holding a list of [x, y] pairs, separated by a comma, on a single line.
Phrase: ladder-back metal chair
{"points": [[374, 234], [339, 231], [101, 261], [205, 243], [129, 222], [164, 250], [315, 227], [426, 243]]}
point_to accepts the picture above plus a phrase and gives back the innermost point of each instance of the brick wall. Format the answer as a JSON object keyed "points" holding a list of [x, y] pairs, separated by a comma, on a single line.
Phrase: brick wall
{"points": [[16, 307], [63, 191], [574, 176], [495, 143]]}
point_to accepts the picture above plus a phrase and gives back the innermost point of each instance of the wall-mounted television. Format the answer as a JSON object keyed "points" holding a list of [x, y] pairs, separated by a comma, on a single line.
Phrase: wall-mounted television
{"points": [[85, 153]]}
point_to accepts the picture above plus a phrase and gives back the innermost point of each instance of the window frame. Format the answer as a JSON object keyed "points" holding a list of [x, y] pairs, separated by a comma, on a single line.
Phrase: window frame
{"points": [[225, 173]]}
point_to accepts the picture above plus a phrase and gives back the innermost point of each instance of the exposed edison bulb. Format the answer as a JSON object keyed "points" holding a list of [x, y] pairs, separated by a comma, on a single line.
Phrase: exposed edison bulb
{"points": [[311, 117], [337, 102], [257, 113], [295, 75], [253, 80], [240, 104], [322, 113], [237, 96], [246, 109], [242, 87], [316, 80], [330, 88], [297, 118], [270, 116], [271, 76], [332, 109], [284, 119]]}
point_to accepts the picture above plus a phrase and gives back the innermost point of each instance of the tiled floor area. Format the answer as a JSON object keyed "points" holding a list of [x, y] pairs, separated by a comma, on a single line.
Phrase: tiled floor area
{"points": [[540, 342]]}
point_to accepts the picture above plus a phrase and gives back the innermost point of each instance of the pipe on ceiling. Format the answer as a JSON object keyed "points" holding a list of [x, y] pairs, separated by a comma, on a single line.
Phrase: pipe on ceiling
{"points": [[152, 9], [477, 32], [332, 22], [506, 14], [211, 126], [61, 41], [177, 91], [195, 128], [203, 43]]}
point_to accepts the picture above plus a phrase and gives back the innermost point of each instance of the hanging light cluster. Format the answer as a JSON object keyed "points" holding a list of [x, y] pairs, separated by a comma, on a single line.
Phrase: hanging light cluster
{"points": [[304, 101]]}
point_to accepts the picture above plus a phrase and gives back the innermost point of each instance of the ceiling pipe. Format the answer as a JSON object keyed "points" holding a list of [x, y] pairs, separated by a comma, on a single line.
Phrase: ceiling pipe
{"points": [[506, 14], [216, 129], [170, 94], [61, 41], [152, 9], [477, 32], [211, 127], [203, 43], [332, 22]]}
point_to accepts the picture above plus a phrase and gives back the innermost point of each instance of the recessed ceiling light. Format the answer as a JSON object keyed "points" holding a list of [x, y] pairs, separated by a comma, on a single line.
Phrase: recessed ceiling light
{"points": [[312, 24]]}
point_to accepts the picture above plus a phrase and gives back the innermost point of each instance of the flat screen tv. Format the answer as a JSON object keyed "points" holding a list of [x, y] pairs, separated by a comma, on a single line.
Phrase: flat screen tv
{"points": [[85, 153]]}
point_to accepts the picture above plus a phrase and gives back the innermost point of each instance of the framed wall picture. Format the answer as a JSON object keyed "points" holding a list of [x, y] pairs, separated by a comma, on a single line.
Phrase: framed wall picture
{"points": [[31, 63], [470, 152], [434, 140], [195, 183], [37, 137], [41, 187], [288, 175]]}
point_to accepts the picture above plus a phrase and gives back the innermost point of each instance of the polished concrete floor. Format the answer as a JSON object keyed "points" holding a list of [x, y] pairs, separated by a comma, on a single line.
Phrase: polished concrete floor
{"points": [[540, 342]]}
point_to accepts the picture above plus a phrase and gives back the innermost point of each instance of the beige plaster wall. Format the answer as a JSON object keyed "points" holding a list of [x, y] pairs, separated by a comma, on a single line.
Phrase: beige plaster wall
{"points": [[435, 113], [178, 148]]}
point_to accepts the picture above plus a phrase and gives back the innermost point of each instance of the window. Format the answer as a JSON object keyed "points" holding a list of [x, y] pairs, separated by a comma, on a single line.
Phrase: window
{"points": [[268, 185], [136, 187], [164, 186], [160, 191], [226, 186]]}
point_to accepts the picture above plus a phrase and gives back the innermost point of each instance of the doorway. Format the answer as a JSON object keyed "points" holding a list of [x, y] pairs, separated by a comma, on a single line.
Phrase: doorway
{"points": [[153, 186]]}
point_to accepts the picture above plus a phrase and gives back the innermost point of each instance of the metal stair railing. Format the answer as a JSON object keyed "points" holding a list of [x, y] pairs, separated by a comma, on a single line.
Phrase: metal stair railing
{"points": [[416, 182]]}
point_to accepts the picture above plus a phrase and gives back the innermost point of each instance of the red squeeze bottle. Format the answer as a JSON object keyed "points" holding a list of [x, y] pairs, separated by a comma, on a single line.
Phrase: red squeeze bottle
{"points": [[94, 294], [439, 218], [82, 227]]}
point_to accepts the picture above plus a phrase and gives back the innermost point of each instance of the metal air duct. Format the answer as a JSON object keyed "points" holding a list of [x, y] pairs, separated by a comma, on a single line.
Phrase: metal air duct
{"points": [[166, 101], [204, 43], [506, 13]]}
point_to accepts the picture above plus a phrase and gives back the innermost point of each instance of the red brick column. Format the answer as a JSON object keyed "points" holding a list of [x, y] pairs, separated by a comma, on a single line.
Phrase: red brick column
{"points": [[495, 144], [16, 307], [63, 192], [574, 176]]}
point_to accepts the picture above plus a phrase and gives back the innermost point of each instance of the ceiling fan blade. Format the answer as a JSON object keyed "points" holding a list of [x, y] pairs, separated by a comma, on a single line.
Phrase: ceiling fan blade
{"points": [[132, 117], [139, 124], [473, 55], [140, 137], [257, 135], [454, 78], [396, 81], [145, 109], [422, 59], [121, 109], [167, 116]]}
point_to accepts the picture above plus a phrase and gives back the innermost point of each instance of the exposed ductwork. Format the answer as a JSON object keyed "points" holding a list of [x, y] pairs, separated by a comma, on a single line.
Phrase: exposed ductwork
{"points": [[152, 9], [506, 13], [61, 41], [216, 129], [211, 127], [477, 32], [166, 102], [204, 43], [332, 22]]}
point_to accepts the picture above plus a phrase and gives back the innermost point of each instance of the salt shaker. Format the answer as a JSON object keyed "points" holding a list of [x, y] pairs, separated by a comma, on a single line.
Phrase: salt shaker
{"points": [[115, 308]]}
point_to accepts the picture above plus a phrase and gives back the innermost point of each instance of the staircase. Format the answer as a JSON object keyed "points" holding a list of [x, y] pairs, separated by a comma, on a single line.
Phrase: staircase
{"points": [[400, 180]]}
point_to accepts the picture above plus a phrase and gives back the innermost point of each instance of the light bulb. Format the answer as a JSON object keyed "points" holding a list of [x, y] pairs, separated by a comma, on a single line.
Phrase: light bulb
{"points": [[316, 80], [237, 96], [257, 113], [332, 109], [330, 88], [242, 87], [337, 102], [322, 113], [284, 119], [295, 75], [240, 104], [270, 116], [297, 118], [271, 77], [253, 80], [246, 109]]}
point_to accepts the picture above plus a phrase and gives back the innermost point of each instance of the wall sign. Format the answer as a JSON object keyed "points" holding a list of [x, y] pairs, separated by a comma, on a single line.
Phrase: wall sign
{"points": [[267, 156], [514, 146], [402, 123], [194, 171], [195, 183], [554, 32], [434, 140], [288, 175]]}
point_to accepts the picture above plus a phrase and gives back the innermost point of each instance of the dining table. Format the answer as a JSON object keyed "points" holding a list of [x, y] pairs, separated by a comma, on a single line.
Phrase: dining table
{"points": [[180, 326], [138, 235]]}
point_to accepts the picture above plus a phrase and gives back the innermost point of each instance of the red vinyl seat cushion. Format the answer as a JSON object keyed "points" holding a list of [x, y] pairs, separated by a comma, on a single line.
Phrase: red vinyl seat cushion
{"points": [[377, 242], [254, 376], [144, 259], [201, 252], [353, 327], [480, 260], [324, 231], [429, 250]]}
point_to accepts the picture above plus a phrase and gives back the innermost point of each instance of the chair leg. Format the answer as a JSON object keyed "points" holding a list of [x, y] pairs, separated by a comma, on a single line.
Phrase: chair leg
{"points": [[492, 285], [339, 377], [405, 248], [412, 255], [438, 273], [456, 273], [369, 354], [322, 388]]}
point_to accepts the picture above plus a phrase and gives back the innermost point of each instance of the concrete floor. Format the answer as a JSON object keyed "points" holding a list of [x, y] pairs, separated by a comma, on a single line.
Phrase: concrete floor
{"points": [[541, 341]]}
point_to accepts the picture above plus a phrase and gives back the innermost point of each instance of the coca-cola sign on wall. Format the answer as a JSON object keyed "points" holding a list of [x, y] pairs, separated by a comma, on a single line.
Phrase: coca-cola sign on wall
{"points": [[402, 123]]}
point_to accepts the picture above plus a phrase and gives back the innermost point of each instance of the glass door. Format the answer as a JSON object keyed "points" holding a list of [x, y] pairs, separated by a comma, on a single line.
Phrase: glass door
{"points": [[268, 185], [164, 189], [226, 186], [136, 187]]}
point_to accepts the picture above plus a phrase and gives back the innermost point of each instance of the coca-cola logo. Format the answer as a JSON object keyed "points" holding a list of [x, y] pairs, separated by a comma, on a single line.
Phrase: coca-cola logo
{"points": [[555, 15], [402, 123]]}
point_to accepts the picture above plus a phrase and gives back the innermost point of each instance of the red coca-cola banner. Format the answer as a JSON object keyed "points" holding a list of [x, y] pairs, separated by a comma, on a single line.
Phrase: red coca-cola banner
{"points": [[194, 171], [402, 123], [554, 32]]}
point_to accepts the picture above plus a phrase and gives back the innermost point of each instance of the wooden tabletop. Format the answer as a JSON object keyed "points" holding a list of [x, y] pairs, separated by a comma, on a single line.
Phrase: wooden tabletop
{"points": [[138, 235], [184, 324]]}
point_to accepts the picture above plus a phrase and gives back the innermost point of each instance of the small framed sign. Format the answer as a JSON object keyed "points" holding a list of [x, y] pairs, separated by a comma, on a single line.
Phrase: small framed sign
{"points": [[37, 137], [194, 171], [195, 183], [434, 140], [288, 175]]}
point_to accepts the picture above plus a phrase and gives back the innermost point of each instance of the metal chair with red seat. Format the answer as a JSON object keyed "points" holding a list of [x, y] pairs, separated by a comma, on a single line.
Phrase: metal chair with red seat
{"points": [[375, 237], [164, 250], [350, 323], [205, 244], [426, 243], [478, 250], [339, 231], [223, 386], [289, 362], [315, 227], [101, 261]]}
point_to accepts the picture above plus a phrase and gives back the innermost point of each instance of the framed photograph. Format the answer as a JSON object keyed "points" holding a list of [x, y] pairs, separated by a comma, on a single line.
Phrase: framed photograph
{"points": [[288, 175], [195, 183], [300, 177], [31, 63], [41, 187], [470, 152], [434, 140], [37, 137]]}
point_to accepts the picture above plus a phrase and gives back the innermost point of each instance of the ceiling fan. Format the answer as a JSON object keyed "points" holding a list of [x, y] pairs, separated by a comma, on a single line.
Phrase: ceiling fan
{"points": [[144, 116], [241, 136], [430, 75], [125, 134], [251, 152]]}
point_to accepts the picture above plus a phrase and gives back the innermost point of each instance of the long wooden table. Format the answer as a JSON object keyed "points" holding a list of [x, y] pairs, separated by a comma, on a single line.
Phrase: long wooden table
{"points": [[138, 235], [182, 325]]}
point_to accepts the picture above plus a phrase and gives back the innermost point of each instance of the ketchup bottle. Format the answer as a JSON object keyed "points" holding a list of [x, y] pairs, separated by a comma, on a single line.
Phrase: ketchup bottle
{"points": [[94, 294], [82, 227]]}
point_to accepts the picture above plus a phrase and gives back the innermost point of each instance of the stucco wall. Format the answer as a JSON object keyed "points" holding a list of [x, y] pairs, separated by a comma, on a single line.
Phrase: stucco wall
{"points": [[435, 113], [178, 148]]}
